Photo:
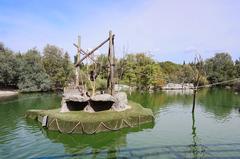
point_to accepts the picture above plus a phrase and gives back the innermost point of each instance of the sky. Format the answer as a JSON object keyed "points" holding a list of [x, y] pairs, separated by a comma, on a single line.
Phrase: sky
{"points": [[169, 30]]}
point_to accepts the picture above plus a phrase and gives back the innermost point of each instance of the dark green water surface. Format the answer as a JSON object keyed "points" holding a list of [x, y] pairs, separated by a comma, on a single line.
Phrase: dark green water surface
{"points": [[214, 130]]}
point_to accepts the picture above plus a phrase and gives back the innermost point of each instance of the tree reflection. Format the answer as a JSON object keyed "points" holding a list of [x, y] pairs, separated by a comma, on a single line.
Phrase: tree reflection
{"points": [[105, 144], [198, 150], [220, 102], [158, 100], [194, 146]]}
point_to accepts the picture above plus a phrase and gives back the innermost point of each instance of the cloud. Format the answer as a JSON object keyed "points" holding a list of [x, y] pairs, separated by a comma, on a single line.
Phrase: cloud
{"points": [[168, 29]]}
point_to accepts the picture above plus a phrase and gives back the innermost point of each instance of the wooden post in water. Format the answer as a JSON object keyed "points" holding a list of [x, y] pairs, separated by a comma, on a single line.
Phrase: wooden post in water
{"points": [[78, 59], [194, 99]]}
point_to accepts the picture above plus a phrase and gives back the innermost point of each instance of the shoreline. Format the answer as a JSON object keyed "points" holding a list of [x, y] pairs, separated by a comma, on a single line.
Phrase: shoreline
{"points": [[8, 93]]}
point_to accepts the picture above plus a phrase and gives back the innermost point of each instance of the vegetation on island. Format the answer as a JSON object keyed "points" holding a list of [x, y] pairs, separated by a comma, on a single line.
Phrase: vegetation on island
{"points": [[52, 69]]}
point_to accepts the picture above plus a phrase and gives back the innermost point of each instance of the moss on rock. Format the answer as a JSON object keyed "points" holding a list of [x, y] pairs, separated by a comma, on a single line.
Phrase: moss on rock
{"points": [[90, 123]]}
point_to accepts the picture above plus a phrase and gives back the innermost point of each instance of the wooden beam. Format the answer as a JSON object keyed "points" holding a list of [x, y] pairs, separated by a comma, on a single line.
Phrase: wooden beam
{"points": [[85, 53], [78, 58], [111, 60], [91, 52]]}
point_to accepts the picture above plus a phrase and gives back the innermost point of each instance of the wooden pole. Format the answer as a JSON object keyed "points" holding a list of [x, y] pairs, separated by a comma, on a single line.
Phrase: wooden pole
{"points": [[113, 65], [194, 100], [111, 56], [78, 59]]}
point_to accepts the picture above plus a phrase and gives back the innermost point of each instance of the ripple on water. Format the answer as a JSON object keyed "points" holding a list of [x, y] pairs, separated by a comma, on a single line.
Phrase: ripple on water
{"points": [[214, 123]]}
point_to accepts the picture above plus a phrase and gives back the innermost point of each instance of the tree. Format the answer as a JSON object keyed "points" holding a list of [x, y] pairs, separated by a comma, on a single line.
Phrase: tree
{"points": [[57, 65], [32, 76], [68, 67], [141, 71], [219, 68], [157, 79], [237, 68], [144, 78], [171, 70], [102, 61], [1, 46], [237, 71], [127, 69], [142, 59], [198, 74], [9, 68], [185, 74]]}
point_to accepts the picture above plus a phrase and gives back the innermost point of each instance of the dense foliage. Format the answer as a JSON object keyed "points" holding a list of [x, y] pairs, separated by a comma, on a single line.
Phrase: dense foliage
{"points": [[220, 68], [57, 65], [143, 72], [32, 76], [33, 71], [30, 72], [9, 68]]}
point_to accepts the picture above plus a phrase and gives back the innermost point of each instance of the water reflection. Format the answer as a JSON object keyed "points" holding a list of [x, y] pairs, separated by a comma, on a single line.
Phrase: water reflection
{"points": [[175, 133], [159, 100], [197, 150], [94, 145], [216, 101], [179, 92]]}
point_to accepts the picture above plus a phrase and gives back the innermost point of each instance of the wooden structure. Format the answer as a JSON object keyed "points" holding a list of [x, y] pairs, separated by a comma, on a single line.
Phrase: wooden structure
{"points": [[110, 66]]}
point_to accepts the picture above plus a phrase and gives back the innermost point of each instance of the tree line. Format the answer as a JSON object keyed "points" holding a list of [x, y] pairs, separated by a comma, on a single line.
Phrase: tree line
{"points": [[32, 71], [52, 68]]}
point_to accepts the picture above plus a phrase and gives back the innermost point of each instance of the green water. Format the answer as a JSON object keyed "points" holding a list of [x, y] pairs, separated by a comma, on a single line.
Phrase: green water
{"points": [[214, 130]]}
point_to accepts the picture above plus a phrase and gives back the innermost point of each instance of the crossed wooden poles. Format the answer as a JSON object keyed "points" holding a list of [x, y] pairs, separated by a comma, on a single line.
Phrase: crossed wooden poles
{"points": [[111, 64]]}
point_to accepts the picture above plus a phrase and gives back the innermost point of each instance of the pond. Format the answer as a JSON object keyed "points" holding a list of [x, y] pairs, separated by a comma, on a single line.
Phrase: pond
{"points": [[214, 130]]}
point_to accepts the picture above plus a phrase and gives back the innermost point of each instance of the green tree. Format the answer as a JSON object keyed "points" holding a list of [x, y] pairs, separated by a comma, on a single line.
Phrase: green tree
{"points": [[237, 71], [32, 76], [127, 69], [57, 65], [219, 68], [142, 59], [140, 70], [9, 68], [171, 70], [237, 68], [1, 46], [102, 66], [185, 74], [68, 68], [151, 75]]}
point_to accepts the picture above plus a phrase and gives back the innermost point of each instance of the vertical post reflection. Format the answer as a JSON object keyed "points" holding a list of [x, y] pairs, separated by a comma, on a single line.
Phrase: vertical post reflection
{"points": [[194, 137]]}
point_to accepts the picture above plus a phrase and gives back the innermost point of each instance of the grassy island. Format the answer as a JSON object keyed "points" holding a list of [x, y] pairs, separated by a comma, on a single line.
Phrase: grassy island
{"points": [[90, 123]]}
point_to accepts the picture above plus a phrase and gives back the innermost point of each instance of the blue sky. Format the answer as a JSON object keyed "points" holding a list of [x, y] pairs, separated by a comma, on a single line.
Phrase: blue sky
{"points": [[172, 30]]}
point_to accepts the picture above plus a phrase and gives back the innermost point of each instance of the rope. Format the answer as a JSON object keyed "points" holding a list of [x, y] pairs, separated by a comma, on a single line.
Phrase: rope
{"points": [[114, 129], [87, 132], [116, 125], [74, 127], [127, 123], [217, 83], [100, 124], [59, 129], [51, 122], [139, 120], [58, 126]]}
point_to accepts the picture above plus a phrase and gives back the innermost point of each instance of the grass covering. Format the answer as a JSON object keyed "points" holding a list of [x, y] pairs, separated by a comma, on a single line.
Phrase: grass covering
{"points": [[93, 122]]}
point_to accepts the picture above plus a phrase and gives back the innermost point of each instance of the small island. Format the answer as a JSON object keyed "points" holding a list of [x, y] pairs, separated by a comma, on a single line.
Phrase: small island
{"points": [[89, 113]]}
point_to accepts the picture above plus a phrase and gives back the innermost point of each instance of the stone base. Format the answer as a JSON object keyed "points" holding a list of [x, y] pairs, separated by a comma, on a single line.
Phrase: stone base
{"points": [[77, 102]]}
